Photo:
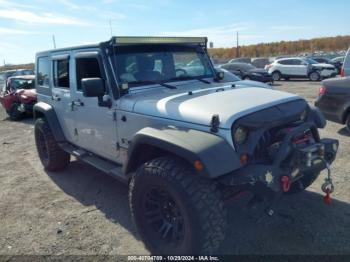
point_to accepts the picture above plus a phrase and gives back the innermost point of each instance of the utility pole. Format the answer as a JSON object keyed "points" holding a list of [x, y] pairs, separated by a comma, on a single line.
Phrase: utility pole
{"points": [[110, 27], [54, 41], [237, 49]]}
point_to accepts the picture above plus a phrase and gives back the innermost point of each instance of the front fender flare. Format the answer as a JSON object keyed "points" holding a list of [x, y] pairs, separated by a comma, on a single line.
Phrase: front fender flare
{"points": [[215, 153], [46, 110]]}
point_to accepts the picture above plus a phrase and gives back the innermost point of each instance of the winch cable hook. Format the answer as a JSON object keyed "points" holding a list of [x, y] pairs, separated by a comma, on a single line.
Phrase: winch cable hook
{"points": [[327, 187]]}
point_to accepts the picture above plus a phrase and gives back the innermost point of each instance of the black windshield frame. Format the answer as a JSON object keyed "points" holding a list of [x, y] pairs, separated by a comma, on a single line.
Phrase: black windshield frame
{"points": [[118, 51]]}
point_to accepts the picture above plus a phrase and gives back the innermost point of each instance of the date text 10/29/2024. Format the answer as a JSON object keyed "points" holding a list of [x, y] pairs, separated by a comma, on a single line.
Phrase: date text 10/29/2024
{"points": [[173, 258]]}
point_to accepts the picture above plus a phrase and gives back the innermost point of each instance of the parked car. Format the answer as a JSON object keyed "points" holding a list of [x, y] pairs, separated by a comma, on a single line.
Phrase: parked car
{"points": [[321, 59], [184, 143], [300, 67], [232, 78], [338, 63], [19, 96], [260, 62], [346, 66], [248, 72], [334, 100], [241, 60], [4, 75]]}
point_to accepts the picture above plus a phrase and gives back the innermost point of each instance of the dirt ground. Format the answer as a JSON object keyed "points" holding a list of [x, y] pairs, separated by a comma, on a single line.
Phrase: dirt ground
{"points": [[82, 211]]}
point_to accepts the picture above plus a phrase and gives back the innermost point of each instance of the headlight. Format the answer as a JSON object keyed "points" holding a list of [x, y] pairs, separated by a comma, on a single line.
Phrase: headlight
{"points": [[24, 96], [240, 135]]}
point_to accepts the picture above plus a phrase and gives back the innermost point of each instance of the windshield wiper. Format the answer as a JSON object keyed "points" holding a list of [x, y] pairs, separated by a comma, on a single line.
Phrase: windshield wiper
{"points": [[162, 83], [191, 78]]}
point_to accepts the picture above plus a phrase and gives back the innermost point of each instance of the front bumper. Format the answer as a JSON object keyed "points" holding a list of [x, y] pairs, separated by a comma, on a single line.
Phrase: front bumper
{"points": [[294, 162], [328, 73], [262, 78]]}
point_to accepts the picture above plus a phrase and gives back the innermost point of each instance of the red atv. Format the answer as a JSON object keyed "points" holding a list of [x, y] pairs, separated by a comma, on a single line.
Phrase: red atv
{"points": [[19, 96]]}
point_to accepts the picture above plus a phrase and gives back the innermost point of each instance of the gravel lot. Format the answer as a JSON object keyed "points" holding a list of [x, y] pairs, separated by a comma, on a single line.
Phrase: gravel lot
{"points": [[82, 211]]}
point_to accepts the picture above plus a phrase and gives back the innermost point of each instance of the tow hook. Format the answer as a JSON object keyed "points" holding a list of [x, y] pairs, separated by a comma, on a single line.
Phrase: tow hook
{"points": [[286, 183], [328, 187]]}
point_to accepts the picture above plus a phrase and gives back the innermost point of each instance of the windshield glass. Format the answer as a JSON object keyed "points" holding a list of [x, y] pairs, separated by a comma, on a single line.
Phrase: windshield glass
{"points": [[22, 84], [137, 66]]}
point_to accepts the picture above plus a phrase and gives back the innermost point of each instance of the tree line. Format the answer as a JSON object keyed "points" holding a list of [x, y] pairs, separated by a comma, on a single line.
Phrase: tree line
{"points": [[326, 44], [12, 67]]}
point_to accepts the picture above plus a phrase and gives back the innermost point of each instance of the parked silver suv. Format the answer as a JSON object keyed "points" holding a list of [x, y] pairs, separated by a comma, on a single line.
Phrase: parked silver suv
{"points": [[300, 67], [182, 140]]}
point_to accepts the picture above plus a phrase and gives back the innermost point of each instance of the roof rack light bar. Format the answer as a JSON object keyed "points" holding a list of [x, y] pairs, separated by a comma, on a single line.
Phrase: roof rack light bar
{"points": [[124, 40]]}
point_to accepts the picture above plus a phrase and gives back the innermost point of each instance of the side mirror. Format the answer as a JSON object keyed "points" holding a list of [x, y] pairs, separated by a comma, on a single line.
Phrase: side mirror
{"points": [[220, 76], [93, 87]]}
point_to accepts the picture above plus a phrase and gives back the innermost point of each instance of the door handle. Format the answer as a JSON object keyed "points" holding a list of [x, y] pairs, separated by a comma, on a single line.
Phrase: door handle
{"points": [[78, 103], [56, 98]]}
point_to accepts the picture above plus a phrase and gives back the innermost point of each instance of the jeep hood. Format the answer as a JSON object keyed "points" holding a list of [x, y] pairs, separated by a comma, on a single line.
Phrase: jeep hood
{"points": [[199, 106]]}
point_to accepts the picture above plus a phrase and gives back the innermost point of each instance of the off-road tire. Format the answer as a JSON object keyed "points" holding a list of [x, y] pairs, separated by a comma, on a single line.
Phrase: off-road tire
{"points": [[314, 76], [302, 183], [51, 155], [198, 201], [276, 76], [14, 113], [347, 122]]}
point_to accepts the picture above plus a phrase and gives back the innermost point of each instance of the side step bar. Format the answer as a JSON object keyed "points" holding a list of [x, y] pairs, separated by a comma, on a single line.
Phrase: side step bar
{"points": [[101, 164]]}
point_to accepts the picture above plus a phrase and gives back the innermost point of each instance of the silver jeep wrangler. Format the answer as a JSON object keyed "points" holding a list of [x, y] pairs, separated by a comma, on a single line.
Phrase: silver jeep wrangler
{"points": [[153, 113]]}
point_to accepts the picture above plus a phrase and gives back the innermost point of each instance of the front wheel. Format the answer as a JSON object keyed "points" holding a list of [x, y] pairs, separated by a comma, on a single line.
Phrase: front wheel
{"points": [[51, 155], [315, 76], [348, 122], [14, 112], [175, 211], [303, 183]]}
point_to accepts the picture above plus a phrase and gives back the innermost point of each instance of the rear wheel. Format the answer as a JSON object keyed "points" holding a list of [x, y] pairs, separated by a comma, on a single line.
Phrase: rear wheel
{"points": [[276, 76], [315, 76], [246, 78], [303, 183], [14, 112], [175, 211], [51, 155]]}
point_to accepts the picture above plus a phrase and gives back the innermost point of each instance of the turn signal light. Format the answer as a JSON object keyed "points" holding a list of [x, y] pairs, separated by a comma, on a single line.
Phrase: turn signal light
{"points": [[198, 165], [244, 159]]}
